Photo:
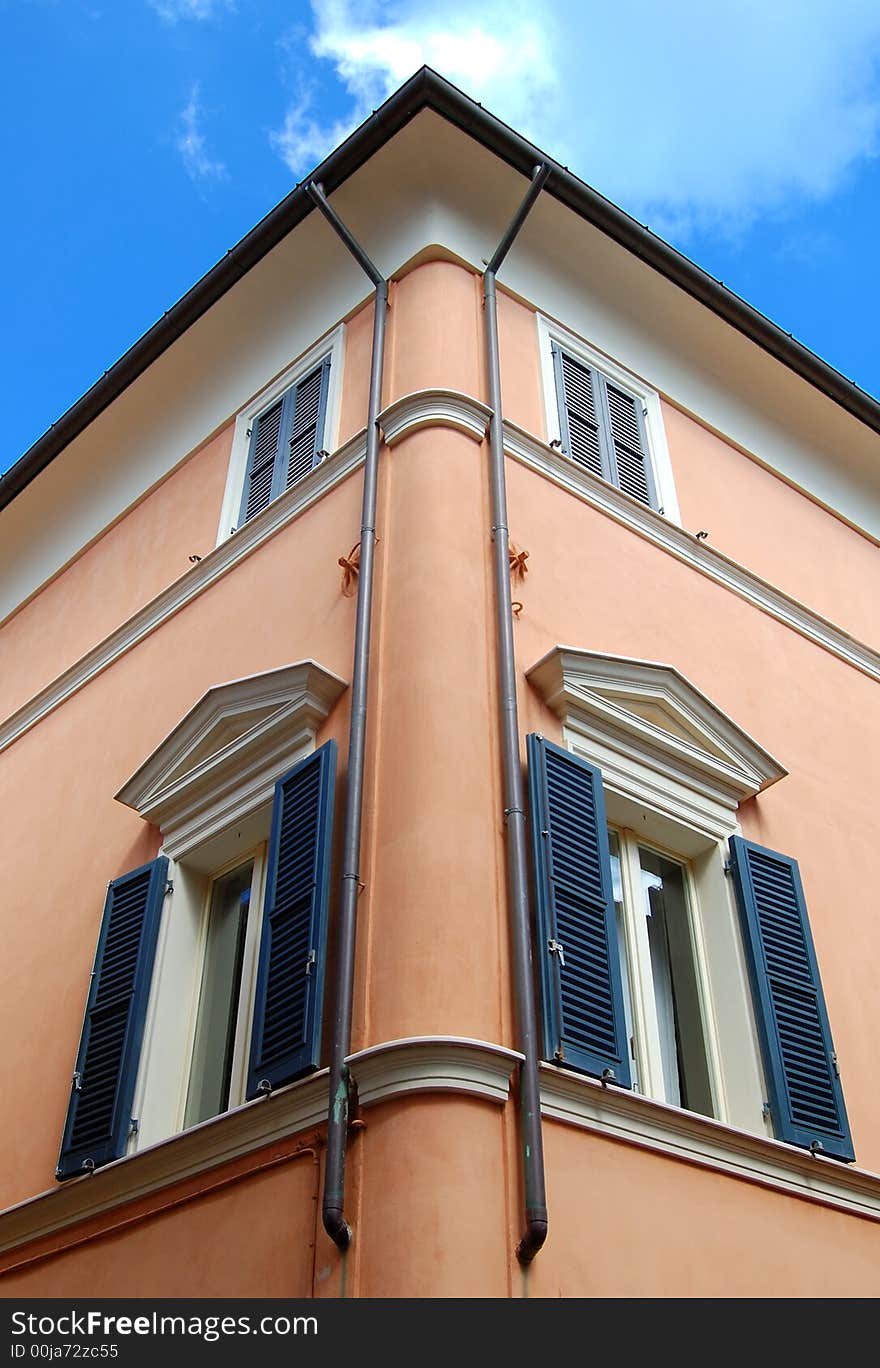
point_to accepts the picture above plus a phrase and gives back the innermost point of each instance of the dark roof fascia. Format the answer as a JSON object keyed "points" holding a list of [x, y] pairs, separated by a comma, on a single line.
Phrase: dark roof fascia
{"points": [[427, 90]]}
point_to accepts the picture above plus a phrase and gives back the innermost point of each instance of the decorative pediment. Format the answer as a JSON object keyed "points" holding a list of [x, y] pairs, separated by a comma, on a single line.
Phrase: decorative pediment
{"points": [[221, 761], [655, 736]]}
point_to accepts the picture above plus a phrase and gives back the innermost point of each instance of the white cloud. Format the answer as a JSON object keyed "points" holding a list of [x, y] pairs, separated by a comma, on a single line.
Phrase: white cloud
{"points": [[688, 114], [191, 144], [174, 10]]}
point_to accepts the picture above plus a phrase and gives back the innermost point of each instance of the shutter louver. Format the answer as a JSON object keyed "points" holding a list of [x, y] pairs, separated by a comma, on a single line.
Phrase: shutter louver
{"points": [[264, 449], [307, 426], [602, 427], [627, 436], [285, 441], [99, 1115], [286, 1036], [806, 1098], [581, 438], [584, 1025]]}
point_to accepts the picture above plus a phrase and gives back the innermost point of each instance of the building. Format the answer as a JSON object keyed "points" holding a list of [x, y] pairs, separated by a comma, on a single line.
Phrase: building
{"points": [[679, 567]]}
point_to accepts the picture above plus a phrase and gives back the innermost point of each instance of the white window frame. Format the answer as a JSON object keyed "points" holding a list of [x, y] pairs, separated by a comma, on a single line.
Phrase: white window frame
{"points": [[642, 996], [674, 770], [550, 332], [332, 346], [209, 787], [247, 983]]}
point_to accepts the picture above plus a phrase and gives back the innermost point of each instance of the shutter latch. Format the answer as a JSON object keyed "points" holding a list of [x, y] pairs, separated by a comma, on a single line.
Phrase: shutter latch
{"points": [[312, 959], [555, 948]]}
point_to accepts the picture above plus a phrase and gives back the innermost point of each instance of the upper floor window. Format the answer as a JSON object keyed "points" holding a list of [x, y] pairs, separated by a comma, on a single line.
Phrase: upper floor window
{"points": [[285, 441], [286, 430], [676, 957], [606, 419]]}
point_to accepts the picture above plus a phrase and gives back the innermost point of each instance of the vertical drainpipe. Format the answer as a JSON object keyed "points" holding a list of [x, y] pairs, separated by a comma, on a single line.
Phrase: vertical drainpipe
{"points": [[333, 1209], [531, 1142]]}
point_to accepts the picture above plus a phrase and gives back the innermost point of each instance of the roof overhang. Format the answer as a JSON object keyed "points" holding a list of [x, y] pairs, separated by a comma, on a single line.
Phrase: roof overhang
{"points": [[427, 90]]}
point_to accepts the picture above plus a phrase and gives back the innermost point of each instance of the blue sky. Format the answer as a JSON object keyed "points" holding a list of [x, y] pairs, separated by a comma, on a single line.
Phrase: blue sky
{"points": [[143, 139]]}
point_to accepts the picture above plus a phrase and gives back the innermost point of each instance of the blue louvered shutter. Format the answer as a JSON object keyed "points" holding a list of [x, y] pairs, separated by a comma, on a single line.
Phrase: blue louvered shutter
{"points": [[603, 427], [286, 1036], [806, 1098], [99, 1114], [286, 441], [582, 992]]}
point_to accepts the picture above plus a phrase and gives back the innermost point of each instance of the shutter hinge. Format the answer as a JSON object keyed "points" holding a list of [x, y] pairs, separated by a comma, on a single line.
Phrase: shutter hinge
{"points": [[765, 1110], [312, 959], [77, 1082], [555, 948], [169, 886], [834, 1064], [728, 868], [135, 1126], [248, 432]]}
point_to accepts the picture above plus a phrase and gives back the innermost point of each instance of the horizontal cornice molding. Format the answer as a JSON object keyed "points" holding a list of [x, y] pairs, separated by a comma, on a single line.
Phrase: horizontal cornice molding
{"points": [[639, 518], [635, 1120], [395, 1068], [249, 538], [441, 1064], [444, 408]]}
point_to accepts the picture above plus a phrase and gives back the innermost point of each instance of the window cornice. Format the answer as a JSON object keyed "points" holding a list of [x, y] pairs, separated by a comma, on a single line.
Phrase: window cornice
{"points": [[655, 736], [221, 761]]}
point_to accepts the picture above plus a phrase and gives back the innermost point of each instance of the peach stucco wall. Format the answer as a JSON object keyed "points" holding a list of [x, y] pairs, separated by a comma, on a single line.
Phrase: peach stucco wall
{"points": [[256, 619], [434, 1180], [754, 517], [245, 1230], [133, 561]]}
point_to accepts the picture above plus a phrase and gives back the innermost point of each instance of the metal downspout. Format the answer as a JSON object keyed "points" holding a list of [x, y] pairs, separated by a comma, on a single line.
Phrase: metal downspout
{"points": [[333, 1209], [531, 1142]]}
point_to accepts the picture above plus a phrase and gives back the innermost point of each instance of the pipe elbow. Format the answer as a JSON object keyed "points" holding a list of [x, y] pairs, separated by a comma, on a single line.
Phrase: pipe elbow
{"points": [[533, 1238], [336, 1226]]}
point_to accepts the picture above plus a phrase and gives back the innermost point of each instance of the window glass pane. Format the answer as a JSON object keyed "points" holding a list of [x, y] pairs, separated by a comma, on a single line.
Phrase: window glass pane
{"points": [[676, 995], [617, 885], [219, 995]]}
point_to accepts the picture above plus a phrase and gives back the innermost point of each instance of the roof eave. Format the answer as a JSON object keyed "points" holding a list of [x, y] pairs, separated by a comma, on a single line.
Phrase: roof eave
{"points": [[427, 90]]}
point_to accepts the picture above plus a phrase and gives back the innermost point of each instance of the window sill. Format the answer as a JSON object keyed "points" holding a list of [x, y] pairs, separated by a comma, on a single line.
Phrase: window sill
{"points": [[631, 1119]]}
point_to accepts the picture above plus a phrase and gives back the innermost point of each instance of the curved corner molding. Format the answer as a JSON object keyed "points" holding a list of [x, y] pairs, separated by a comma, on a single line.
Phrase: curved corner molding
{"points": [[433, 1064], [450, 409], [418, 1064], [434, 408]]}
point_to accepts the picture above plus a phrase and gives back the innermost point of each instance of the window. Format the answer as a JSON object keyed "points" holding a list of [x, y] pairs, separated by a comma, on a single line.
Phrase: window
{"points": [[287, 430], [675, 957], [285, 441], [207, 988], [653, 900], [216, 1076], [606, 420]]}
